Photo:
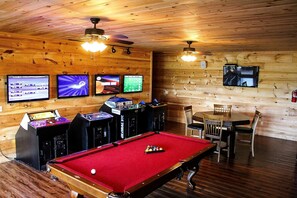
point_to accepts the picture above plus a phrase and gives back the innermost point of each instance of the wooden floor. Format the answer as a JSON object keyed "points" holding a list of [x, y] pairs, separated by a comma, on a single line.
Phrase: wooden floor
{"points": [[271, 173]]}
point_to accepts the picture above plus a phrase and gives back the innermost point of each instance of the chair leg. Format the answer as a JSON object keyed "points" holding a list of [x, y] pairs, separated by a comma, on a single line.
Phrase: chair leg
{"points": [[219, 152], [228, 150], [236, 136], [218, 156], [201, 134], [189, 132], [252, 145]]}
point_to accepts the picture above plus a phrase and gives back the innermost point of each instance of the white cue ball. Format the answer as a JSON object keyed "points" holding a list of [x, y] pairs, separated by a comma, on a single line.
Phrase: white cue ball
{"points": [[93, 171]]}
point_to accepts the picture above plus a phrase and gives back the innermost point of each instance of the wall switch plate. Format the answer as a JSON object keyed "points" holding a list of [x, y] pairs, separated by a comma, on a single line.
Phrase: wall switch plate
{"points": [[203, 64], [0, 108]]}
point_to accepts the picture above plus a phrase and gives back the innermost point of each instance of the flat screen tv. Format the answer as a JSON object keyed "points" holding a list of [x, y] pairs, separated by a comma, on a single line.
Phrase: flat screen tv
{"points": [[107, 84], [21, 88], [72, 85], [241, 76], [132, 83]]}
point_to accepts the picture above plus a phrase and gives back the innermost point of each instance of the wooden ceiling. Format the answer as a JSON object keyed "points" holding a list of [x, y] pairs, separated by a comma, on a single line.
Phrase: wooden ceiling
{"points": [[162, 25]]}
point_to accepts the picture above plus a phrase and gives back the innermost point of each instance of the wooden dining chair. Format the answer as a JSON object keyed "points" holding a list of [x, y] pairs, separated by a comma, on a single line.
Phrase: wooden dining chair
{"points": [[250, 131], [190, 125], [213, 129], [222, 109]]}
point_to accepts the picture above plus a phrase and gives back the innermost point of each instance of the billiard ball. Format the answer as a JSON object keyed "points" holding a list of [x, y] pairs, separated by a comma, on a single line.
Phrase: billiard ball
{"points": [[93, 171]]}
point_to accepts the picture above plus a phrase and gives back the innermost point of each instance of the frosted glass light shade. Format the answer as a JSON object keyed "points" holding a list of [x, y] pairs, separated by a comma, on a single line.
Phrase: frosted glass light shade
{"points": [[188, 58], [94, 46]]}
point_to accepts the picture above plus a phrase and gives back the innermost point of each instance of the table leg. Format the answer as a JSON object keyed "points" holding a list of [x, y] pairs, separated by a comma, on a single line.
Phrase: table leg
{"points": [[191, 174], [232, 143]]}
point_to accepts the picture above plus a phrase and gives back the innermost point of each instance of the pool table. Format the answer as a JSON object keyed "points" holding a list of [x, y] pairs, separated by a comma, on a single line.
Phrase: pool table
{"points": [[125, 169]]}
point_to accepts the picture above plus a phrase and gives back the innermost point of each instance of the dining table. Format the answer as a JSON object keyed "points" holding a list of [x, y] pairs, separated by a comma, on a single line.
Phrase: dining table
{"points": [[230, 120]]}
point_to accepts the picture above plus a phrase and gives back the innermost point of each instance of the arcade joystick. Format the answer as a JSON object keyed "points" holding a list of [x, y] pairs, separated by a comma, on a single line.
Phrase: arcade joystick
{"points": [[155, 102], [50, 121]]}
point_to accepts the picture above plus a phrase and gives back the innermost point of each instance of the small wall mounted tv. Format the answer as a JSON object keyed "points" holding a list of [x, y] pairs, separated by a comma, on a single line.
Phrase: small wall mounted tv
{"points": [[242, 76], [107, 84], [21, 88], [72, 85], [132, 83]]}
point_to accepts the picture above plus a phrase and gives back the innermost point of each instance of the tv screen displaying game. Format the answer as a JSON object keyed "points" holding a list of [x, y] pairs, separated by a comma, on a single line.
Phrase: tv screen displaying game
{"points": [[132, 83], [107, 84], [242, 76], [21, 88], [72, 85]]}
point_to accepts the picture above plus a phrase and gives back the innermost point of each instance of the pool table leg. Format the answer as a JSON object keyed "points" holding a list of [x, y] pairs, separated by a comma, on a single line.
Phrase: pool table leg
{"points": [[180, 174], [74, 194], [118, 195], [191, 174]]}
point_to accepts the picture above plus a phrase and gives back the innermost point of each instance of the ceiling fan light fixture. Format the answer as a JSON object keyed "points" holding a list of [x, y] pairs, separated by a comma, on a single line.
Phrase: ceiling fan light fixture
{"points": [[188, 58], [94, 46], [189, 53]]}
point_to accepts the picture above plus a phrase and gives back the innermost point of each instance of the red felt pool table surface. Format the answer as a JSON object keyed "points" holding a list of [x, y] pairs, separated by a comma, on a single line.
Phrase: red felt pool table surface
{"points": [[126, 164]]}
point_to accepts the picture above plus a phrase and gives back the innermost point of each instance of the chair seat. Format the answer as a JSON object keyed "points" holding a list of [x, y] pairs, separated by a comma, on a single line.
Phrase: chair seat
{"points": [[196, 126], [242, 129]]}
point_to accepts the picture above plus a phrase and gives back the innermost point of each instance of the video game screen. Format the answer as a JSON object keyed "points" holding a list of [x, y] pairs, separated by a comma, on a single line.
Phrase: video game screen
{"points": [[107, 84], [22, 88], [132, 83], [76, 85]]}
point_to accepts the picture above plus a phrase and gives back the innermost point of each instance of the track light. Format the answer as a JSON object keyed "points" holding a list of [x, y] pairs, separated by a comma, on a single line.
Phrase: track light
{"points": [[113, 50], [128, 51]]}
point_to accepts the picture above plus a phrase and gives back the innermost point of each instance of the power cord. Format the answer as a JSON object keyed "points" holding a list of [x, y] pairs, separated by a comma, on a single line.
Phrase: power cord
{"points": [[9, 158]]}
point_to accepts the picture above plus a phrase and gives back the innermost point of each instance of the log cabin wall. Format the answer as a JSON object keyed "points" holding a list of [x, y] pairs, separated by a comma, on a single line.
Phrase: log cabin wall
{"points": [[31, 55], [179, 83]]}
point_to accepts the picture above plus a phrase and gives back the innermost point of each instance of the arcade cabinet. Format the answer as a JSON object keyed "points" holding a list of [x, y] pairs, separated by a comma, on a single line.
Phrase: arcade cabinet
{"points": [[155, 114], [89, 130], [42, 136], [126, 117]]}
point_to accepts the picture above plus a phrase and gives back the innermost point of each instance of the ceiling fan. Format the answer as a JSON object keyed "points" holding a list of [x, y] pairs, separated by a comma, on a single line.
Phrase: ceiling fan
{"points": [[95, 33], [191, 50]]}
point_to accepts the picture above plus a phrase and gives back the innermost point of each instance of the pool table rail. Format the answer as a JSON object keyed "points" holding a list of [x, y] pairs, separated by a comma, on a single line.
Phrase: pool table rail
{"points": [[77, 184]]}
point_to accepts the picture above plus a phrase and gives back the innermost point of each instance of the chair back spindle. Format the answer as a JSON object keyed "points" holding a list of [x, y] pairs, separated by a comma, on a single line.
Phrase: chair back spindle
{"points": [[222, 109]]}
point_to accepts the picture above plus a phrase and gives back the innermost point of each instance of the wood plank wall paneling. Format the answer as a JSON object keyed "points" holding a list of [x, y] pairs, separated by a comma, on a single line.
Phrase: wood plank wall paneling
{"points": [[178, 83], [32, 55]]}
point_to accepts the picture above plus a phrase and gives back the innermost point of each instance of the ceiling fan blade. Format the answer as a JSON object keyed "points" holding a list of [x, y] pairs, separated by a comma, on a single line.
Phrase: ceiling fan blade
{"points": [[207, 53], [94, 34], [70, 39], [125, 42], [120, 36]]}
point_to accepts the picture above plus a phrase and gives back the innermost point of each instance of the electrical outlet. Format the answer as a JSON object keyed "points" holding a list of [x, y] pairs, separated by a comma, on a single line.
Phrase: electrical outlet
{"points": [[0, 108]]}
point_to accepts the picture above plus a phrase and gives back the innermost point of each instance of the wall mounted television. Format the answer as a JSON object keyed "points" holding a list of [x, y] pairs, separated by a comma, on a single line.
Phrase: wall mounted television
{"points": [[132, 83], [241, 76], [21, 88], [107, 84], [72, 85]]}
